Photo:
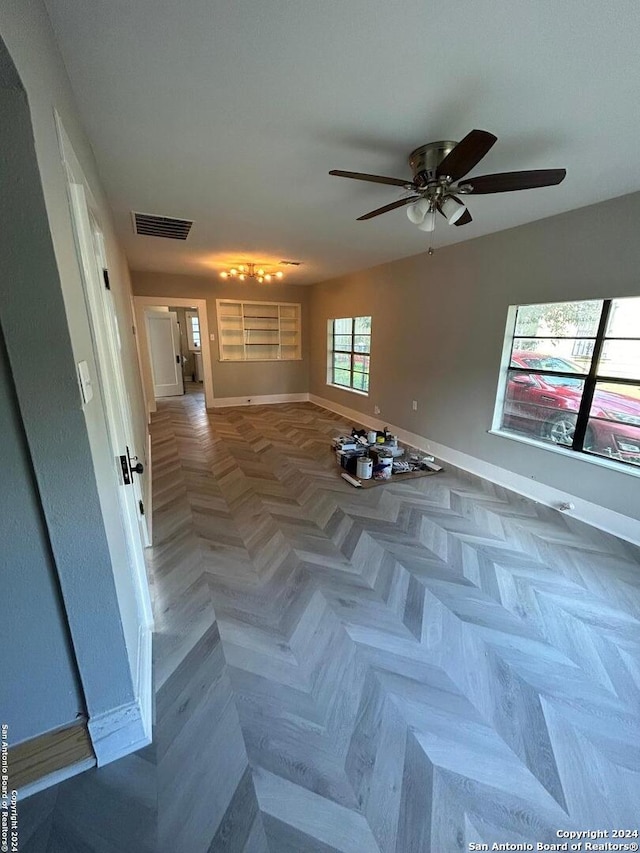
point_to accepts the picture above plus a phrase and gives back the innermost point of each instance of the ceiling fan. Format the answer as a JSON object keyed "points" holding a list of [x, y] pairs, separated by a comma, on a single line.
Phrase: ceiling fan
{"points": [[438, 169]]}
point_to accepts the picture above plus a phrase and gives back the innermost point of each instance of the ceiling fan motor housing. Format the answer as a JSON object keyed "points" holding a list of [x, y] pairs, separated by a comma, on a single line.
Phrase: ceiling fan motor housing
{"points": [[425, 160]]}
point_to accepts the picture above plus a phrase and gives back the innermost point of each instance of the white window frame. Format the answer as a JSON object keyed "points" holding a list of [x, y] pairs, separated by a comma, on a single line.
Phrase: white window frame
{"points": [[330, 354], [590, 379], [189, 315]]}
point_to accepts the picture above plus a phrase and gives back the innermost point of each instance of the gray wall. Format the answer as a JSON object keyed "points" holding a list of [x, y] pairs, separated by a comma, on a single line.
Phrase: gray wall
{"points": [[46, 331], [439, 325], [38, 664], [237, 379]]}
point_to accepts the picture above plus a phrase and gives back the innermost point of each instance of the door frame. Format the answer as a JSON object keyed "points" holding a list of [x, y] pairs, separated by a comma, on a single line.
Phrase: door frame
{"points": [[131, 727], [142, 302]]}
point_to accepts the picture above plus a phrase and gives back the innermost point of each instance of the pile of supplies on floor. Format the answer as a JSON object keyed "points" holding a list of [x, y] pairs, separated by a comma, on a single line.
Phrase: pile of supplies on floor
{"points": [[375, 454], [368, 454]]}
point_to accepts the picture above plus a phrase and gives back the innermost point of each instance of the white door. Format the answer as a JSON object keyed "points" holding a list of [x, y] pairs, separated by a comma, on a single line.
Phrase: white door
{"points": [[106, 344], [163, 334]]}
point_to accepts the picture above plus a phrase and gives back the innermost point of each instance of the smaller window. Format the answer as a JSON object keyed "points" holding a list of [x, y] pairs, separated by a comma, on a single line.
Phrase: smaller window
{"points": [[349, 347], [193, 330]]}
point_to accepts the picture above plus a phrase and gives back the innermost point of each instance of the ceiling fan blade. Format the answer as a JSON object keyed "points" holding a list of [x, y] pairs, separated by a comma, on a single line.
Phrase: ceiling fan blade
{"points": [[465, 219], [388, 207], [375, 179], [467, 154], [505, 182]]}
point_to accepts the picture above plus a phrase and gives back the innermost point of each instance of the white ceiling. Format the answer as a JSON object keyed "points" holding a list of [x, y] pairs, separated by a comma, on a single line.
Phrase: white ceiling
{"points": [[232, 112]]}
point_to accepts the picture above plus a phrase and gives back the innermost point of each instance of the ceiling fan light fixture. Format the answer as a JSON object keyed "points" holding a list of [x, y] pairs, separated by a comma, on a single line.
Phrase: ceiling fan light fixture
{"points": [[452, 209], [429, 222], [417, 211]]}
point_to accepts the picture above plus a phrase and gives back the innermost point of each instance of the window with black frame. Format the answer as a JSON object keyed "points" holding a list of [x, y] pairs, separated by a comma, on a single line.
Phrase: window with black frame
{"points": [[350, 352], [574, 377]]}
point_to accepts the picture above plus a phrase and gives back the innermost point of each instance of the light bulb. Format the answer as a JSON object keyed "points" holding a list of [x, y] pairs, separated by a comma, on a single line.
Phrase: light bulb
{"points": [[260, 272], [279, 274], [429, 222], [224, 275], [233, 272], [242, 276], [260, 279], [417, 211], [267, 277], [242, 268], [452, 209]]}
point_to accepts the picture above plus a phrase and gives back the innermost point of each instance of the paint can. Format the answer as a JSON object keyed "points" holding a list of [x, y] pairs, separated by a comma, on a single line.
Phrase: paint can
{"points": [[364, 468], [384, 468], [372, 436]]}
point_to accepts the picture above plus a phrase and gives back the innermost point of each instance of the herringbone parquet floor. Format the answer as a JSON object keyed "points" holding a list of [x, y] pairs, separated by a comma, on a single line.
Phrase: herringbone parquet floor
{"points": [[407, 669]]}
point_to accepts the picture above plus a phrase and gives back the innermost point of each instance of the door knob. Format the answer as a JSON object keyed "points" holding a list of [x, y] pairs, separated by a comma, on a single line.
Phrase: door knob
{"points": [[138, 468]]}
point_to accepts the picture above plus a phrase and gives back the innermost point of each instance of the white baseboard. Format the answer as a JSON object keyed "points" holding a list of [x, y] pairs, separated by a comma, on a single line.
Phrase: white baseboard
{"points": [[263, 400], [126, 729], [144, 678], [597, 516], [117, 733]]}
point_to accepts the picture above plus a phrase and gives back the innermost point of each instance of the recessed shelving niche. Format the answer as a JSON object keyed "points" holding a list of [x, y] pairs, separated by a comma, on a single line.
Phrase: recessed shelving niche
{"points": [[258, 331]]}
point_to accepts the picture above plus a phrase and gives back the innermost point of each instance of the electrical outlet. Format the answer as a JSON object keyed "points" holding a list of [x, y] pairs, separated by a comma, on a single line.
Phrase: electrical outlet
{"points": [[414, 405], [376, 410], [212, 337]]}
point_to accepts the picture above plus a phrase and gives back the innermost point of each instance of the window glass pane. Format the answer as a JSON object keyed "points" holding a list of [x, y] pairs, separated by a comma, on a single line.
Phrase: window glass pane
{"points": [[624, 318], [342, 326], [548, 355], [362, 343], [542, 407], [342, 360], [559, 319], [362, 325], [361, 381], [620, 358], [614, 426], [342, 377], [342, 342], [361, 363]]}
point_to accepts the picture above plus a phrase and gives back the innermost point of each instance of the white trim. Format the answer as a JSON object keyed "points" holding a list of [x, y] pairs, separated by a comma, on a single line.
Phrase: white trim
{"points": [[604, 519], [55, 778], [118, 732], [144, 684], [148, 497], [578, 456], [143, 350], [349, 389], [115, 732], [264, 400]]}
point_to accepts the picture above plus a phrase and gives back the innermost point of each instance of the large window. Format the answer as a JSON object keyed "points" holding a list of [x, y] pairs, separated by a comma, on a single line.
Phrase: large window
{"points": [[573, 377], [349, 352]]}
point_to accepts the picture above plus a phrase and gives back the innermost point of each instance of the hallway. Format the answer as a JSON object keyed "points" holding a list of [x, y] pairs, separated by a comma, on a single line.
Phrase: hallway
{"points": [[411, 668]]}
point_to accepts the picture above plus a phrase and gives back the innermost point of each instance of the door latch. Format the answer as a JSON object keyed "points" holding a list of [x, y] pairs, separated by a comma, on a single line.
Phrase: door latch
{"points": [[130, 466]]}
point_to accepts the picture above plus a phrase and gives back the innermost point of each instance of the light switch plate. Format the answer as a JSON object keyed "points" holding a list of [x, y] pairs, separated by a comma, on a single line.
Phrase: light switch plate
{"points": [[85, 382]]}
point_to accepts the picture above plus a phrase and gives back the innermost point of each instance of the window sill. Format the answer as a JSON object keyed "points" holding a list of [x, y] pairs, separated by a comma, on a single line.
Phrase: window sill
{"points": [[601, 461], [351, 390]]}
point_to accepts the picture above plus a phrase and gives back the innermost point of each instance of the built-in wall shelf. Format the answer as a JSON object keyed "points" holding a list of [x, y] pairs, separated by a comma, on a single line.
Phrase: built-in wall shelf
{"points": [[259, 331]]}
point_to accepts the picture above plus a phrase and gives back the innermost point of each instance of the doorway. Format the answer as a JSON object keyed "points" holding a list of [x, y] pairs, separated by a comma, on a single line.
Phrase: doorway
{"points": [[117, 467], [189, 347]]}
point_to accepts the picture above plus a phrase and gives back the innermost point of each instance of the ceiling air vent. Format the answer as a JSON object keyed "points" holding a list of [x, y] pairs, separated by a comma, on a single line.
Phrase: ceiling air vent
{"points": [[161, 226]]}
